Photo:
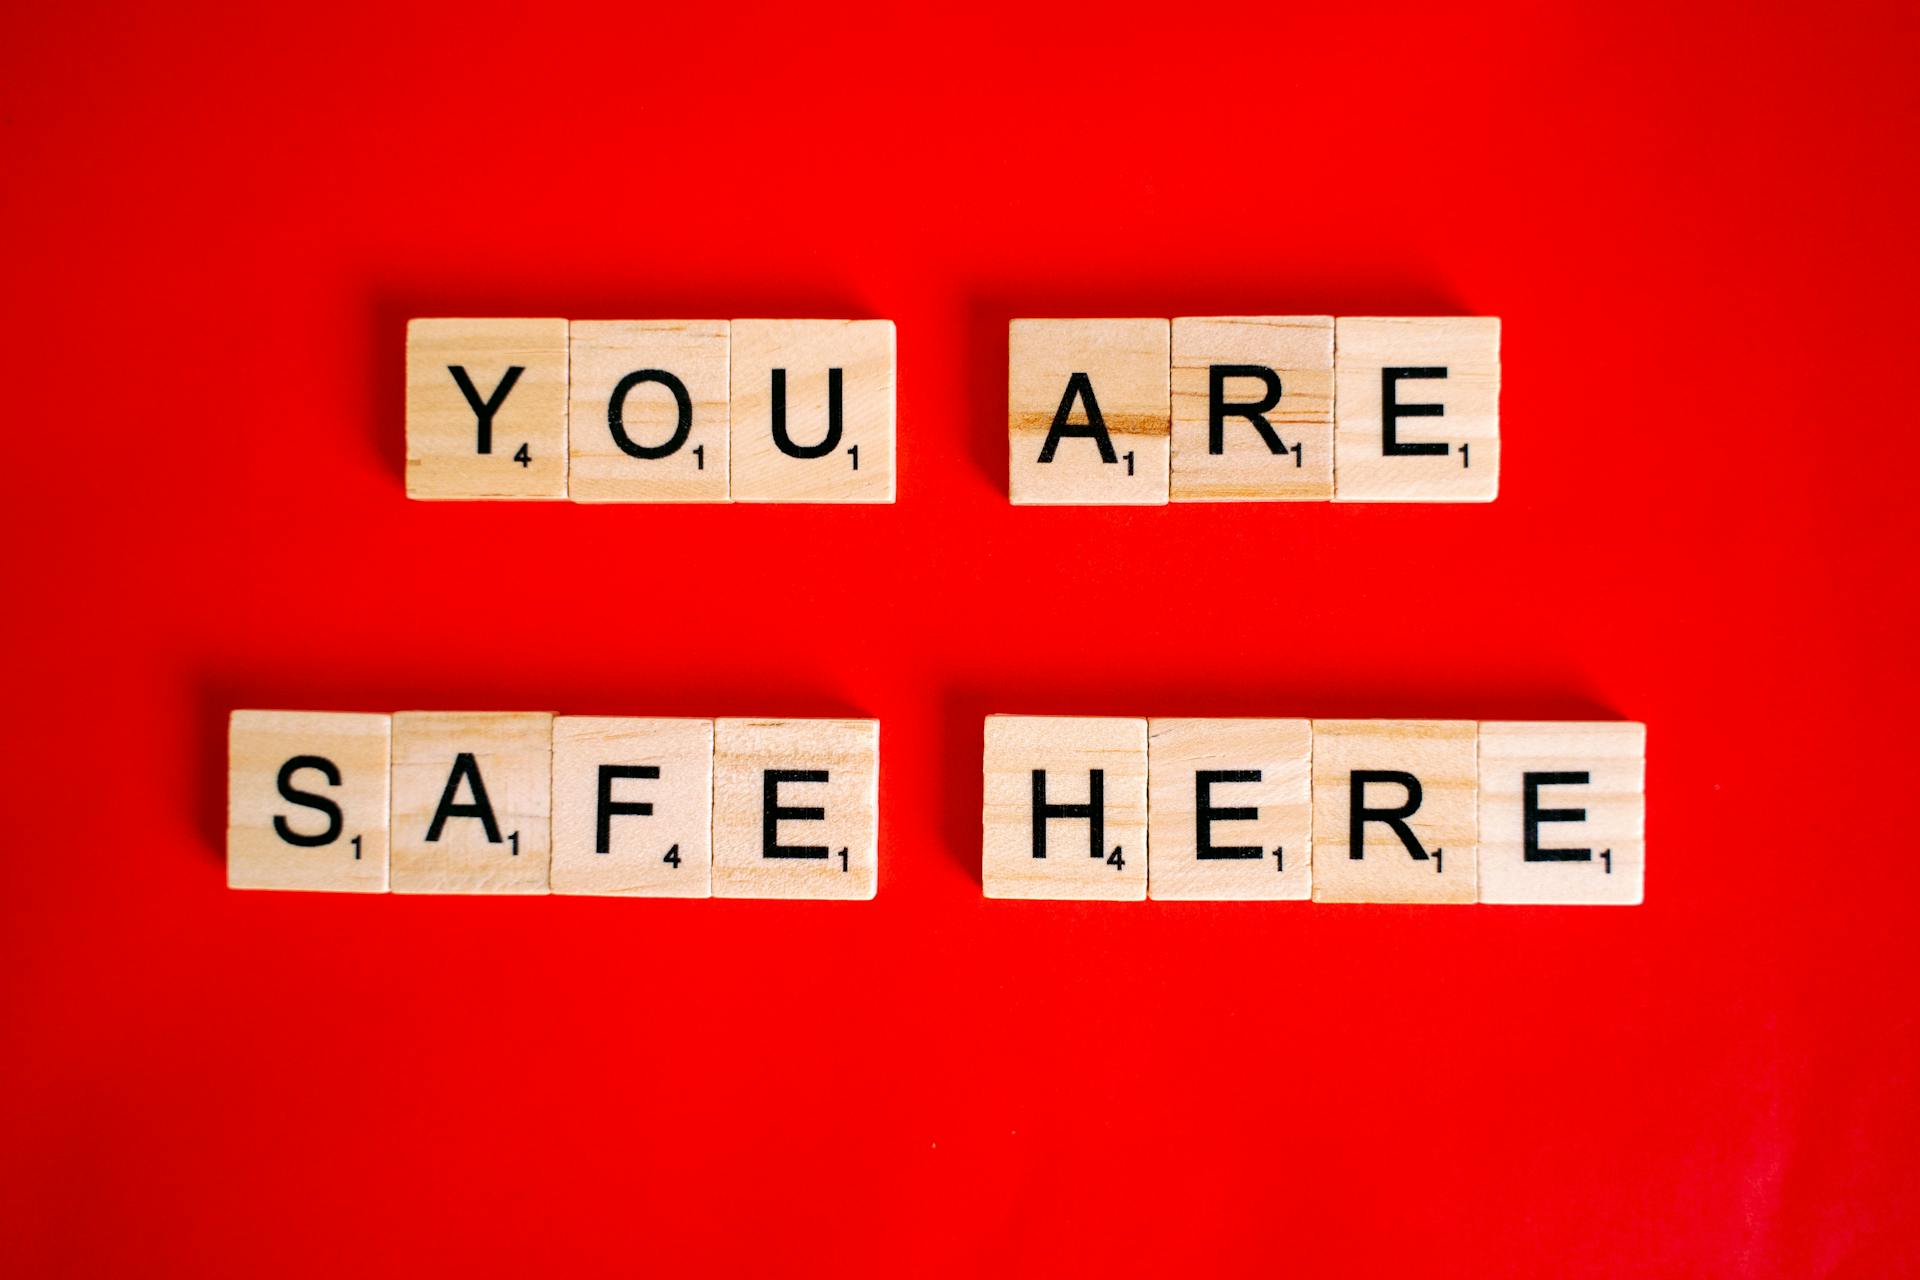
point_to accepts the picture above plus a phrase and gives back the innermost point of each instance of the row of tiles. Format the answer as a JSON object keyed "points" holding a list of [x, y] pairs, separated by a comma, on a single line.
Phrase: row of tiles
{"points": [[526, 802], [1099, 411], [1444, 811], [1332, 810]]}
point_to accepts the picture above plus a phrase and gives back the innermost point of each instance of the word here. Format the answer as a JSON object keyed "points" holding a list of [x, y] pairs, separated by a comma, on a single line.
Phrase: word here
{"points": [[1441, 811]]}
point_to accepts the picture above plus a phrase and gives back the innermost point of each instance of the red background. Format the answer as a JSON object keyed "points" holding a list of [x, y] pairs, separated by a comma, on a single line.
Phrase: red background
{"points": [[1697, 224]]}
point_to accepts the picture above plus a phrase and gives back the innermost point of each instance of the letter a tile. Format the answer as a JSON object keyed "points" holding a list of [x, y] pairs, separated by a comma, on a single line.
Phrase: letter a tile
{"points": [[1562, 812], [307, 801], [1088, 413], [1394, 812], [1416, 409], [472, 801], [813, 410], [1065, 808], [487, 409], [796, 808]]}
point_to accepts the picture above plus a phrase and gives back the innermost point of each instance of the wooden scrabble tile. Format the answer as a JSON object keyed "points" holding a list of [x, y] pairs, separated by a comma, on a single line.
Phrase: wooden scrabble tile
{"points": [[1065, 811], [1088, 419], [796, 808], [1229, 809], [647, 417], [307, 801], [1394, 811], [1252, 408], [1562, 811], [813, 410], [633, 807], [472, 800], [1441, 440], [487, 409]]}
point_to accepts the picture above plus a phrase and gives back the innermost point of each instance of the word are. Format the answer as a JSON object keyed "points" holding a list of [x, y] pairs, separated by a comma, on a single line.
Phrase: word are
{"points": [[1254, 409]]}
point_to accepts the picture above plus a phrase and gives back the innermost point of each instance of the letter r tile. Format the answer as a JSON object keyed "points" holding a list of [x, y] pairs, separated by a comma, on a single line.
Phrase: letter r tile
{"points": [[1395, 811], [1065, 808], [1270, 380]]}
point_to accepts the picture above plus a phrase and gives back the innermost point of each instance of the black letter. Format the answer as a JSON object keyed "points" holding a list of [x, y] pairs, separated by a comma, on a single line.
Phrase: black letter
{"points": [[771, 810], [609, 808], [1358, 815], [1094, 428], [1535, 815], [464, 767], [331, 773], [1204, 814], [1391, 411], [1094, 811], [484, 410], [785, 442], [616, 415], [1218, 409]]}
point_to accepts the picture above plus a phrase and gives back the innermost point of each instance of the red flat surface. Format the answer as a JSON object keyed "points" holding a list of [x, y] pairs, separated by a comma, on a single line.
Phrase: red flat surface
{"points": [[1697, 224]]}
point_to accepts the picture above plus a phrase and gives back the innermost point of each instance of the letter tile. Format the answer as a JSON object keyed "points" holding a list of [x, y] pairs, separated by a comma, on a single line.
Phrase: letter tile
{"points": [[796, 808], [1065, 808], [307, 801], [1394, 816], [1562, 812], [1252, 408], [1088, 416], [472, 801], [1416, 409], [1229, 809], [813, 410], [633, 807], [487, 409], [648, 414]]}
